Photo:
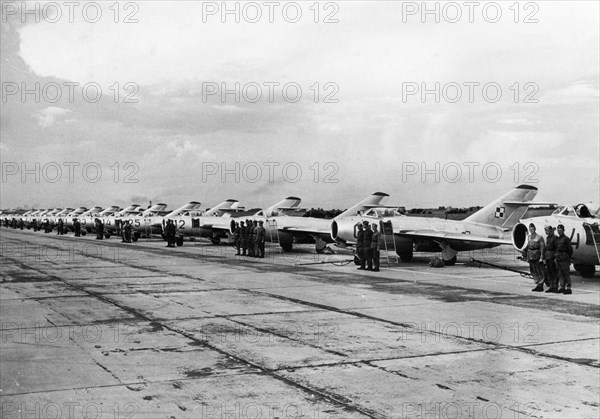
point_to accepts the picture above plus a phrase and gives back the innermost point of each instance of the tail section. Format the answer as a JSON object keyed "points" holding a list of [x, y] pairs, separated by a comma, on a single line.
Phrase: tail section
{"points": [[371, 201], [185, 210], [222, 208], [507, 210], [286, 206], [154, 209]]}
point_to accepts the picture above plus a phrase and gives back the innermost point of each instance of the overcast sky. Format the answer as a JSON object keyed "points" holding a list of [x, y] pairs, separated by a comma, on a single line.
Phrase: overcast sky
{"points": [[368, 129]]}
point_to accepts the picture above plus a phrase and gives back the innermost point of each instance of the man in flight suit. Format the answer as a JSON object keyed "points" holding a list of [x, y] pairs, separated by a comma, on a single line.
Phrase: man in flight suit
{"points": [[127, 231], [360, 251], [77, 227], [243, 238], [251, 238], [260, 239], [237, 237], [535, 249], [99, 229], [368, 237], [375, 248], [549, 259], [564, 251]]}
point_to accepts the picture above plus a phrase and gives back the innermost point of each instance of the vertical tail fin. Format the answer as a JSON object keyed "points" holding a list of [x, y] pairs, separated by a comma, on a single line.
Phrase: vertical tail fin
{"points": [[505, 211], [191, 206], [218, 210], [285, 206], [369, 202]]}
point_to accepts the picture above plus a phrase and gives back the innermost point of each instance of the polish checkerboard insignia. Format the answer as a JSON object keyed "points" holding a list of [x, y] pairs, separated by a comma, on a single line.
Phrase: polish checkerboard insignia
{"points": [[499, 212]]}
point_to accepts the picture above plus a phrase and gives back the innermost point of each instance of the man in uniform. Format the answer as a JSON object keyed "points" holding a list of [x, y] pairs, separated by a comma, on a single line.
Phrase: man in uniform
{"points": [[251, 238], [534, 252], [243, 237], [549, 257], [77, 227], [170, 233], [360, 251], [375, 248], [260, 239], [368, 237], [564, 251], [47, 228], [236, 236], [127, 230], [99, 229]]}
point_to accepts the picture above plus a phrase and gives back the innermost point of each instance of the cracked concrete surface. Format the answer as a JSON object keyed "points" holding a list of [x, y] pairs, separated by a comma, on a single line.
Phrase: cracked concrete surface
{"points": [[101, 329]]}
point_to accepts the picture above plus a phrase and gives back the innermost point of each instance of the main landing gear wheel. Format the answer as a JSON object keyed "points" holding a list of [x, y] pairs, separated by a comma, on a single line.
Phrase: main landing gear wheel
{"points": [[215, 241], [450, 262], [287, 247], [179, 241], [406, 256], [586, 271]]}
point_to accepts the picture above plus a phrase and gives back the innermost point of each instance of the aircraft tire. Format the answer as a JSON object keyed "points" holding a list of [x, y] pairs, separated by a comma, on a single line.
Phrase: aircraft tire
{"points": [[106, 236], [287, 247], [586, 271], [450, 262], [406, 256], [179, 241], [215, 241]]}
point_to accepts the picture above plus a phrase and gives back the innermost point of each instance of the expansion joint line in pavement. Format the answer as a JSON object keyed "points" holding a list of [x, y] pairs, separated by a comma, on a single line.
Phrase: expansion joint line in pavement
{"points": [[318, 306], [335, 399]]}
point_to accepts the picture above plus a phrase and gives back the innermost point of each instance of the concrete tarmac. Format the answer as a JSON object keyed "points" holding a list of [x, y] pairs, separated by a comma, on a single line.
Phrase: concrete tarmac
{"points": [[103, 329]]}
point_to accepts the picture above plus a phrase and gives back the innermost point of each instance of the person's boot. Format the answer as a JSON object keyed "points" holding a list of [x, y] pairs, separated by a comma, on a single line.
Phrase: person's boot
{"points": [[560, 291], [568, 291], [552, 289], [539, 288]]}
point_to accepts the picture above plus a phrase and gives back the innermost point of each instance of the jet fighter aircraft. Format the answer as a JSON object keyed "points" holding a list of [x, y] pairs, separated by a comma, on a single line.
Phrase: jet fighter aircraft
{"points": [[488, 227]]}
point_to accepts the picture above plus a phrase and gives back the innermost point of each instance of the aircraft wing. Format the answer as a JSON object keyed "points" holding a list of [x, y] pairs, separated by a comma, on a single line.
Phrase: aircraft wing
{"points": [[307, 230], [451, 238]]}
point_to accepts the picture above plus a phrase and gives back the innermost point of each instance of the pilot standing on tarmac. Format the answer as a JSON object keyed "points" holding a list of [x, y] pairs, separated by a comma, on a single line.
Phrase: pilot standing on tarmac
{"points": [[260, 239], [99, 229], [375, 248], [77, 227], [121, 227], [243, 237], [127, 229], [60, 227], [236, 236], [535, 249], [170, 233], [549, 257], [251, 238], [564, 251], [367, 246], [360, 251], [255, 236]]}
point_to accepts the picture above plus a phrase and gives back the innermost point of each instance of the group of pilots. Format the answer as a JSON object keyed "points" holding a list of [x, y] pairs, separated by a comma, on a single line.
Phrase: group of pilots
{"points": [[250, 238], [550, 259], [367, 246]]}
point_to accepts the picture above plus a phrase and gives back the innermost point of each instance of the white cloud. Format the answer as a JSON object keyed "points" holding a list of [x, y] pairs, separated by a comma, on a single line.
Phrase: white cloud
{"points": [[48, 116]]}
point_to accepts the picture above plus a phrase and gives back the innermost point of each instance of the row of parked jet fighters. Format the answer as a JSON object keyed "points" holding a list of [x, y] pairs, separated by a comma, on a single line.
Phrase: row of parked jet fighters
{"points": [[498, 223]]}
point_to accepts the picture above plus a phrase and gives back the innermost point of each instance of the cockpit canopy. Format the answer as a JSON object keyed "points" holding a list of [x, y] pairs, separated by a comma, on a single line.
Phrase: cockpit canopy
{"points": [[382, 212], [579, 211]]}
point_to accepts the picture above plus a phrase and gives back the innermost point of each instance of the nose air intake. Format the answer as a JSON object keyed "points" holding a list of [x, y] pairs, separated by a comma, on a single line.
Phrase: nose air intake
{"points": [[334, 230], [519, 236]]}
